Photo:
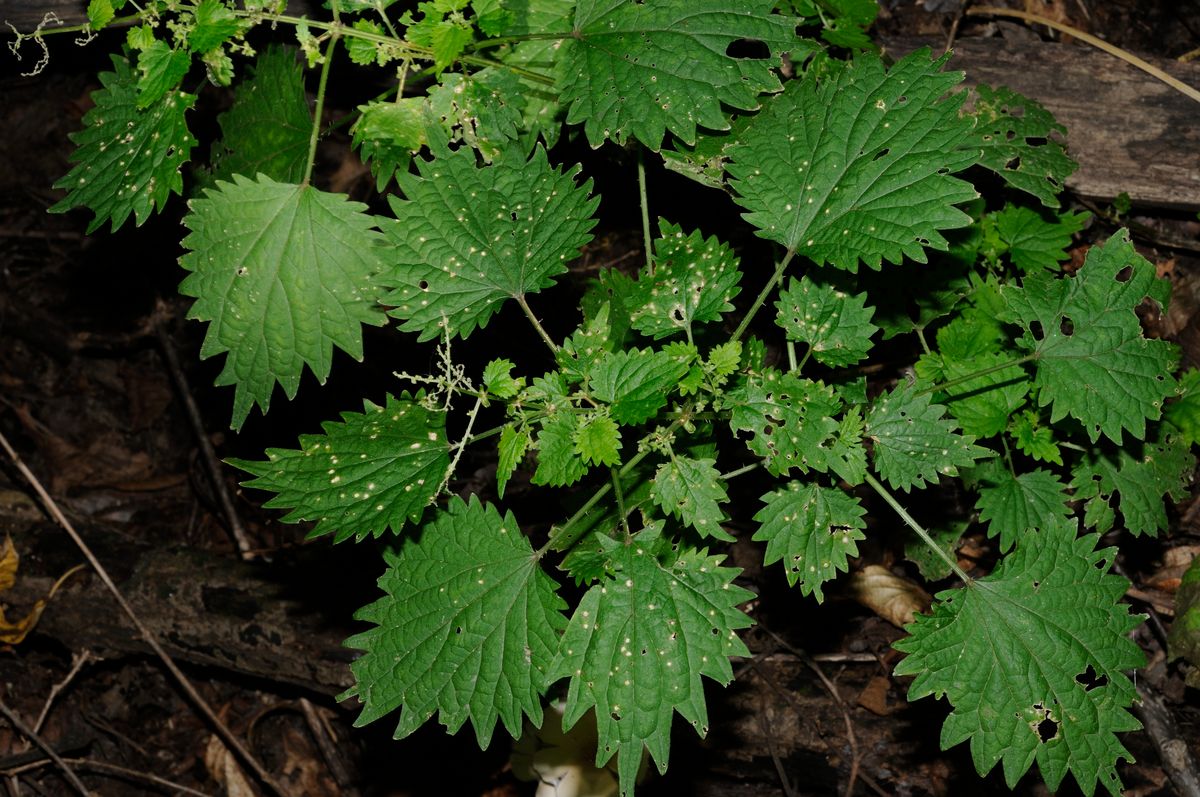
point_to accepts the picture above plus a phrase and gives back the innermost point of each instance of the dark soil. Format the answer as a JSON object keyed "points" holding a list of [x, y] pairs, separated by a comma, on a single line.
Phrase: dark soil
{"points": [[89, 404]]}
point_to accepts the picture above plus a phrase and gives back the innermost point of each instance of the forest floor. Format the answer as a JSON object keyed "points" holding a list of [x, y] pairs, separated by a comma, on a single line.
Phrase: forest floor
{"points": [[94, 408]]}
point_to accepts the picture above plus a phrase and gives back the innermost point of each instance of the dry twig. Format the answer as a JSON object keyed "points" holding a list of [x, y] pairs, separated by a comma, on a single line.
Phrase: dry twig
{"points": [[36, 738]]}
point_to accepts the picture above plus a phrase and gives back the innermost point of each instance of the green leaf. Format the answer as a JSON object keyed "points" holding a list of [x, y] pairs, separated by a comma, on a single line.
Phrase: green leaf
{"points": [[1184, 637], [636, 383], [812, 529], [1092, 361], [387, 134], [266, 130], [598, 440], [983, 405], [372, 472], [558, 463], [693, 491], [364, 52], [1011, 505], [139, 38], [836, 325], [791, 420], [641, 69], [498, 379], [468, 627], [468, 238], [214, 24], [449, 39], [1032, 241], [514, 443], [1033, 658], [947, 537], [638, 643], [1020, 142], [855, 163], [161, 70], [477, 109], [537, 102], [693, 282], [100, 13], [1034, 439], [284, 273], [127, 160], [1141, 478], [1184, 412], [914, 443]]}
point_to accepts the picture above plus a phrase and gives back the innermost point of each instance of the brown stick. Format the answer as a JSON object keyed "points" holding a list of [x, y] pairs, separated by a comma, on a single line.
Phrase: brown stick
{"points": [[236, 529], [201, 704], [113, 769], [36, 738]]}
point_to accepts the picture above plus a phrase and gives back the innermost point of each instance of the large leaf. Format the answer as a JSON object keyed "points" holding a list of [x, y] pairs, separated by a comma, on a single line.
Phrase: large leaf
{"points": [[1093, 363], [914, 443], [854, 163], [1033, 658], [640, 640], [284, 273], [812, 529], [127, 159], [267, 128], [467, 237], [375, 470], [641, 69], [468, 627]]}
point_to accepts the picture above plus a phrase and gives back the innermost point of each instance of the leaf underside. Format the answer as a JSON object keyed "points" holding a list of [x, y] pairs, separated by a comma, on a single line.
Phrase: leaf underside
{"points": [[284, 273]]}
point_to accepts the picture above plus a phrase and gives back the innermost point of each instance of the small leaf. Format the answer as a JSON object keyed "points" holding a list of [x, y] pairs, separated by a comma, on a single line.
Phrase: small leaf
{"points": [[836, 325], [1012, 505], [824, 167], [692, 490], [284, 273], [498, 379], [214, 24], [641, 69], [162, 68], [693, 282], [468, 627], [636, 383], [1034, 439], [1141, 478], [266, 130], [513, 444], [914, 443], [638, 643], [812, 529], [127, 160], [468, 238], [99, 13], [387, 134], [1184, 412], [558, 463], [1093, 363], [791, 421], [983, 405], [598, 440], [1018, 139], [360, 50], [1033, 242], [947, 538], [1033, 658]]}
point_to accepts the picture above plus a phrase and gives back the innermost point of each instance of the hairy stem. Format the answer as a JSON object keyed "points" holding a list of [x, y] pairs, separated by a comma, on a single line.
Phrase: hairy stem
{"points": [[319, 108], [537, 324], [641, 171], [763, 294], [619, 494], [916, 527]]}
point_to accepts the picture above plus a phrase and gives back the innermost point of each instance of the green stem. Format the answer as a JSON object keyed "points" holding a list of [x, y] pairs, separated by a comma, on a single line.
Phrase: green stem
{"points": [[915, 526], [975, 375], [500, 41], [804, 361], [319, 109], [921, 337], [619, 494], [641, 172], [537, 324], [793, 367], [733, 474], [763, 294]]}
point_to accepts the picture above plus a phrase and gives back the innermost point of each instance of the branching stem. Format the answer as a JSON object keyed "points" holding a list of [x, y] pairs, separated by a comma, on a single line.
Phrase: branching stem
{"points": [[916, 527]]}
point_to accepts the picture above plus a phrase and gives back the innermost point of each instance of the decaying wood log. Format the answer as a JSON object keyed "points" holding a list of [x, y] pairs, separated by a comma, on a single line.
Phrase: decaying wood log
{"points": [[1129, 132]]}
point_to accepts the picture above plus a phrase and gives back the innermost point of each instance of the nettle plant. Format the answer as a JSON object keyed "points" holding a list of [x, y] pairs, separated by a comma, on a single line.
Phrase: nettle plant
{"points": [[1032, 392]]}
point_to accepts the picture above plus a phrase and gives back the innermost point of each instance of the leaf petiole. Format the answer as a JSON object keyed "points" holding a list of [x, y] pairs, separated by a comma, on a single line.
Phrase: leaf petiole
{"points": [[916, 527]]}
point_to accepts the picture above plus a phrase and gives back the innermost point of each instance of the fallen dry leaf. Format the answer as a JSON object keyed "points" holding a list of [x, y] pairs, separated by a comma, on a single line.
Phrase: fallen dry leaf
{"points": [[14, 633], [224, 769], [894, 598]]}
